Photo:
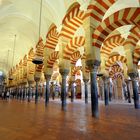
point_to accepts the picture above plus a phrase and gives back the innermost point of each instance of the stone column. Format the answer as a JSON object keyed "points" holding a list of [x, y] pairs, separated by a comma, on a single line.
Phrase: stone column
{"points": [[64, 73], [110, 91], [134, 76], [128, 90], [106, 91], [29, 90], [36, 90], [93, 65], [101, 88], [86, 90], [72, 91], [17, 92], [32, 91], [41, 90], [124, 90], [24, 92], [18, 97], [20, 92], [115, 90], [119, 88], [47, 92]]}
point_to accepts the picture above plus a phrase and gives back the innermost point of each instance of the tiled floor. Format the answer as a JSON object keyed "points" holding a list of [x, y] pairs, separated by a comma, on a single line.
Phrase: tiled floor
{"points": [[26, 121]]}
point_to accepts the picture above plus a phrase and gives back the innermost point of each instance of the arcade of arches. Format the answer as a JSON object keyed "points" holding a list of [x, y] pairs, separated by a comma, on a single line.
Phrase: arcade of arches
{"points": [[103, 39], [90, 50]]}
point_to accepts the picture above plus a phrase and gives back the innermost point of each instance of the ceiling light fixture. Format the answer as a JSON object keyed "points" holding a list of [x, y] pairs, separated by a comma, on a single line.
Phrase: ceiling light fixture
{"points": [[36, 59]]}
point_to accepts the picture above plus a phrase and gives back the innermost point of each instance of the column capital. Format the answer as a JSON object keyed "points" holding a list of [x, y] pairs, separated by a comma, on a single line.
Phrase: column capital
{"points": [[105, 79], [48, 71], [127, 81], [73, 78], [37, 79], [30, 82], [93, 64], [72, 82], [64, 72], [47, 76], [85, 80], [85, 74], [133, 75]]}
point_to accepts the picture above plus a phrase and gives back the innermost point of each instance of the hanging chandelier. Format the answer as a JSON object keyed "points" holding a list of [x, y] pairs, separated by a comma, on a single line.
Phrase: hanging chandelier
{"points": [[38, 59]]}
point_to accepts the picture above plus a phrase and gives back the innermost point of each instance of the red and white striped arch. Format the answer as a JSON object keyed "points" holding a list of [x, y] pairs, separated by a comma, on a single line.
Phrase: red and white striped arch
{"points": [[39, 68], [74, 57], [133, 37], [72, 46], [117, 76], [97, 9], [123, 17], [25, 67], [136, 56], [84, 56], [30, 55], [112, 42], [116, 72], [87, 69], [72, 21], [39, 53], [75, 70], [52, 58], [30, 65], [17, 73], [52, 37], [21, 70], [39, 48], [25, 61], [115, 69], [114, 59]]}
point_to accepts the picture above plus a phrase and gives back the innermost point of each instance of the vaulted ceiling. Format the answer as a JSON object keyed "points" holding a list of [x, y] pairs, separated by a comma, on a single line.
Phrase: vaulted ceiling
{"points": [[21, 18]]}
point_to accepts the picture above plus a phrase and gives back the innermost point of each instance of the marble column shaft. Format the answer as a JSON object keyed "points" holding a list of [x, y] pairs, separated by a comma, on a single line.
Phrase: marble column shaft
{"points": [[36, 91], [94, 94], [134, 77], [128, 91], [72, 91], [29, 91], [47, 92], [106, 91], [110, 91], [93, 66], [86, 90], [24, 91], [64, 73]]}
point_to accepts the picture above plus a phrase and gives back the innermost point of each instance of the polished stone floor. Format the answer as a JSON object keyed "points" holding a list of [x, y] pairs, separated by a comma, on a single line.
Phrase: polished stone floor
{"points": [[20, 120]]}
